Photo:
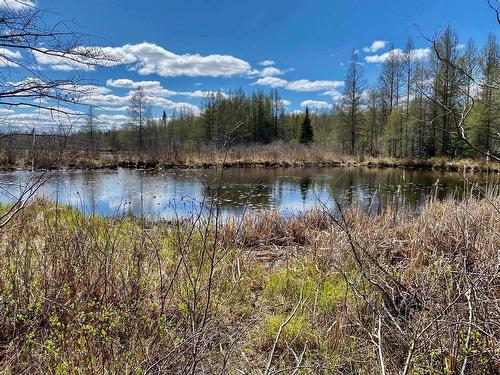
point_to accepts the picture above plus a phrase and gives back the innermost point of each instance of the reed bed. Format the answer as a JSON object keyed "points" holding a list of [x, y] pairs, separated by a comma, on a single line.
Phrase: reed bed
{"points": [[335, 292], [271, 155]]}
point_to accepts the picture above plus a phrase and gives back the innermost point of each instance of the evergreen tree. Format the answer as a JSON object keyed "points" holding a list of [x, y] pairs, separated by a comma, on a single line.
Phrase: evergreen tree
{"points": [[164, 119], [306, 131]]}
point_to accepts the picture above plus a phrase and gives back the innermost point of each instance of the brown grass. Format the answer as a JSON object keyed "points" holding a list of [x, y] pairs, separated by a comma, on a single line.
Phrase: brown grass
{"points": [[93, 295], [272, 155]]}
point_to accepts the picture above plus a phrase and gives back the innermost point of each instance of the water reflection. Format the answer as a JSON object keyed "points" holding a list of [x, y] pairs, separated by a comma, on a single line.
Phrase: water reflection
{"points": [[179, 193]]}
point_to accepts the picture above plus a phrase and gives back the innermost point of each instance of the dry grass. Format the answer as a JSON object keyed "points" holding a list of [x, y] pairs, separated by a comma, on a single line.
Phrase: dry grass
{"points": [[318, 293], [272, 155]]}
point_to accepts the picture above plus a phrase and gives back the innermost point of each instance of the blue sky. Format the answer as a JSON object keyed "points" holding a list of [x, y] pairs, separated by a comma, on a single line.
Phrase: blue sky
{"points": [[179, 49]]}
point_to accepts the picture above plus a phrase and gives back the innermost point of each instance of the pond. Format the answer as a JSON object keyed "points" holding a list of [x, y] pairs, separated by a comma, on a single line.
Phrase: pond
{"points": [[179, 193]]}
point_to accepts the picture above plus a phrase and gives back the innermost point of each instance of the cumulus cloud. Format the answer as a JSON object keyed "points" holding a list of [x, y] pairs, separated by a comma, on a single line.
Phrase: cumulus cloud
{"points": [[128, 83], [60, 62], [171, 105], [149, 58], [316, 104], [285, 103], [304, 85], [272, 82], [112, 118], [119, 103], [375, 46], [114, 109], [10, 54], [156, 89], [8, 57], [201, 94], [271, 71], [149, 87], [417, 54], [267, 63], [421, 53], [336, 95]]}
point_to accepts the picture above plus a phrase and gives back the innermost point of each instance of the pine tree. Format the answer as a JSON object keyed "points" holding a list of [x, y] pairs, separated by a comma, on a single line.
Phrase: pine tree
{"points": [[306, 131], [164, 119]]}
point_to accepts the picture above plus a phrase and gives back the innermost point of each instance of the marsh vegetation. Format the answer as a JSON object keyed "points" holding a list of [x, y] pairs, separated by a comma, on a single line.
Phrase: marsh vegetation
{"points": [[315, 293]]}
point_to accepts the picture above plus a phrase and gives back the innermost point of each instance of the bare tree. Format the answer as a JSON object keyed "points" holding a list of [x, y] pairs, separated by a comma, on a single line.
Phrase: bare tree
{"points": [[352, 102], [91, 127], [27, 40], [459, 113], [496, 8], [139, 110]]}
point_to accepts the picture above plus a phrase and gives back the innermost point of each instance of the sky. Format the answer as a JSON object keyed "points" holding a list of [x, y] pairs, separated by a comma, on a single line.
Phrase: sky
{"points": [[179, 50]]}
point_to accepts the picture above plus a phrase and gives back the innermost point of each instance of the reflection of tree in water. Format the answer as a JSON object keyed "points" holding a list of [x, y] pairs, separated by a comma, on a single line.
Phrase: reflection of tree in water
{"points": [[370, 189], [305, 184]]}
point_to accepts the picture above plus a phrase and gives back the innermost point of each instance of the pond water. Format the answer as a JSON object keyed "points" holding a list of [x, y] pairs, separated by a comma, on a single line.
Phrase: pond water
{"points": [[167, 194]]}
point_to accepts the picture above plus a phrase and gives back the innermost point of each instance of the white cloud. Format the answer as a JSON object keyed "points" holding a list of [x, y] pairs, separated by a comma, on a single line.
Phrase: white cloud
{"points": [[108, 99], [272, 82], [306, 85], [85, 90], [285, 103], [154, 88], [201, 94], [375, 46], [9, 53], [299, 85], [421, 53], [157, 91], [297, 112], [417, 54], [171, 105], [128, 83], [112, 118], [267, 63], [7, 56], [16, 5], [7, 62], [315, 104], [397, 52], [114, 109], [60, 62], [123, 101], [271, 71], [336, 95], [149, 58]]}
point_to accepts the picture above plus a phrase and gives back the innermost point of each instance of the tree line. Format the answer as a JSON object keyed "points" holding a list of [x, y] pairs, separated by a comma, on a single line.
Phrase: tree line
{"points": [[412, 110]]}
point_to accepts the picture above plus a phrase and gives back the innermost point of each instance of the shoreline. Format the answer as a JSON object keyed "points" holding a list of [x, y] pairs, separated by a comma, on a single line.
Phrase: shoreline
{"points": [[443, 165]]}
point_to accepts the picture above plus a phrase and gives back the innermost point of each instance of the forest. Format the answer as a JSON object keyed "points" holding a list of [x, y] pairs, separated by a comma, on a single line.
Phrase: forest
{"points": [[414, 109]]}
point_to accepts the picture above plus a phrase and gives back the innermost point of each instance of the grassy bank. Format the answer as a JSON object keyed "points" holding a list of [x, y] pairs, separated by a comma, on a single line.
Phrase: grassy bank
{"points": [[268, 156], [311, 294]]}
